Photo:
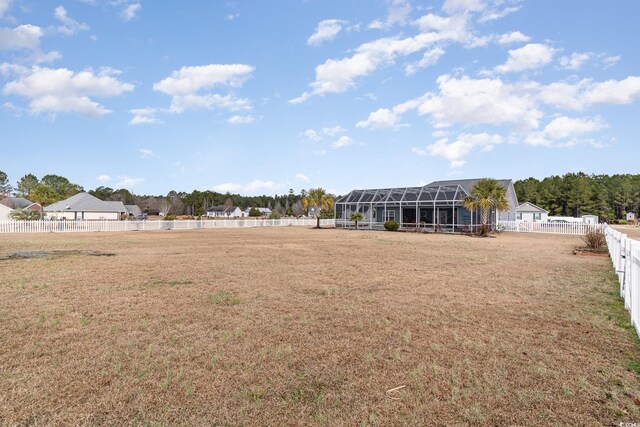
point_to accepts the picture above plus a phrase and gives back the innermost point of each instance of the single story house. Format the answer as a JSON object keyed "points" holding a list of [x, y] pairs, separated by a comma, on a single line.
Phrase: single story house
{"points": [[14, 203], [85, 206], [435, 206], [263, 211], [529, 212], [224, 211]]}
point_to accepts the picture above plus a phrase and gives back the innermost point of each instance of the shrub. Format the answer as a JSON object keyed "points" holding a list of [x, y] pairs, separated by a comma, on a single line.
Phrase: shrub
{"points": [[254, 212], [623, 222], [274, 215], [594, 239], [169, 217], [391, 225]]}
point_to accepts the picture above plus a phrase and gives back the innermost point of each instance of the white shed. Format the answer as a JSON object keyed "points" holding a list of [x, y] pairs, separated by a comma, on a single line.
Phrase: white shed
{"points": [[529, 212], [631, 216], [590, 219]]}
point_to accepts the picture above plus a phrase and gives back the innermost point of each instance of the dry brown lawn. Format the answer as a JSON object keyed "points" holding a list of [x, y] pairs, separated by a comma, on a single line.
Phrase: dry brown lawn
{"points": [[294, 326], [630, 230]]}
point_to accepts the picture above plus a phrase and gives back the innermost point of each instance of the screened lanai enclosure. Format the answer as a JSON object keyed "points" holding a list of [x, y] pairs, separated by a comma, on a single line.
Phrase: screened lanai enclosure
{"points": [[437, 206]]}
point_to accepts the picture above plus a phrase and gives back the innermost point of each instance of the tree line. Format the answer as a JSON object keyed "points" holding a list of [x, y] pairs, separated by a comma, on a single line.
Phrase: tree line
{"points": [[610, 197], [52, 188], [573, 194]]}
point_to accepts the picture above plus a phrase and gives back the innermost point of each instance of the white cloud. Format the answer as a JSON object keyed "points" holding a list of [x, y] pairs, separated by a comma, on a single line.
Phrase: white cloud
{"points": [[302, 177], [456, 151], [312, 135], [103, 178], [419, 151], [585, 93], [237, 119], [492, 15], [64, 91], [564, 127], [333, 131], [325, 31], [145, 153], [343, 141], [188, 80], [317, 136], [457, 6], [339, 75], [610, 61], [232, 16], [184, 84], [69, 26], [565, 131], [528, 57], [513, 37], [575, 61], [477, 101], [144, 116], [429, 58], [130, 11], [251, 187], [4, 6], [128, 182], [382, 118], [397, 14], [22, 37], [44, 57]]}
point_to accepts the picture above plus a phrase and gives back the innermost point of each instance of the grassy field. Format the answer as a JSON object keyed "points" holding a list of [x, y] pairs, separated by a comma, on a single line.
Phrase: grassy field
{"points": [[629, 230], [294, 326]]}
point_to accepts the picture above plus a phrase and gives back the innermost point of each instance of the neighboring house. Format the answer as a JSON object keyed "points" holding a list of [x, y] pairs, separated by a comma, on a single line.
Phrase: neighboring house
{"points": [[134, 211], [85, 206], [590, 219], [263, 211], [5, 212], [531, 213], [223, 211], [15, 203], [631, 216]]}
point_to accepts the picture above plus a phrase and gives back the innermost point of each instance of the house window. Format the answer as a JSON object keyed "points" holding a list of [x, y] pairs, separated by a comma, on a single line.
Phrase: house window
{"points": [[537, 216], [389, 215], [519, 216]]}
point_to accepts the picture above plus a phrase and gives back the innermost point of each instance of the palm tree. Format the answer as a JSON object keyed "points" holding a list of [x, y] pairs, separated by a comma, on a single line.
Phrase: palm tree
{"points": [[319, 199], [356, 216], [25, 215], [486, 194]]}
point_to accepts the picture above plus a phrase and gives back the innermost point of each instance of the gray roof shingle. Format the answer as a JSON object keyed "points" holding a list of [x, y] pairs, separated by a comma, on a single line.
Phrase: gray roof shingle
{"points": [[85, 202]]}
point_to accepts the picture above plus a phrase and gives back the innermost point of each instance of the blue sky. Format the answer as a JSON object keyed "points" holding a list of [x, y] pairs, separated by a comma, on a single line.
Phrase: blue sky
{"points": [[257, 97]]}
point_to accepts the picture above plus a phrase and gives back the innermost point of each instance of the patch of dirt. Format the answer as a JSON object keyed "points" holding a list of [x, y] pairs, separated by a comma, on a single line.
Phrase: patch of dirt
{"points": [[53, 253]]}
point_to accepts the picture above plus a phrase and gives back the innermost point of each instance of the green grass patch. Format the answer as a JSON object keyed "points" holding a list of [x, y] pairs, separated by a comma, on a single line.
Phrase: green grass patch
{"points": [[618, 314], [224, 298]]}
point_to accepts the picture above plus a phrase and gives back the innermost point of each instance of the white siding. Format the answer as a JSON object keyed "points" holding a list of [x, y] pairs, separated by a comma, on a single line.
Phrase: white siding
{"points": [[100, 215], [114, 216], [528, 217], [5, 211]]}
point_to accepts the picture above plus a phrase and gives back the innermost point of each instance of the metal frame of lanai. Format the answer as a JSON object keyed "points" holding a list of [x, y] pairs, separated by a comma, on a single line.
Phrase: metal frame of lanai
{"points": [[438, 206]]}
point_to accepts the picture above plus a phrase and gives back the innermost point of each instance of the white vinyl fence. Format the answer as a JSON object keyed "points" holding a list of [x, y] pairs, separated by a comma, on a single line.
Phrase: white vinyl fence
{"points": [[625, 255], [549, 227], [65, 226]]}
